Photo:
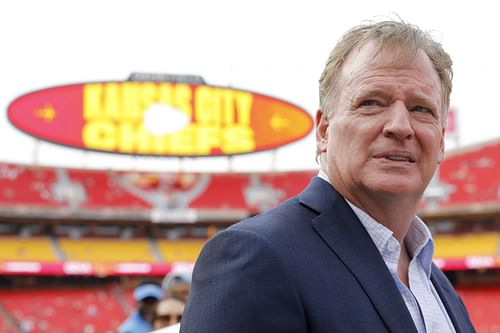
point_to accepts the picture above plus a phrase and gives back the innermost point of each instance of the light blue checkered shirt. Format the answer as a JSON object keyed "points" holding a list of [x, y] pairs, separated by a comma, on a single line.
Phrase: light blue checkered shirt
{"points": [[422, 300]]}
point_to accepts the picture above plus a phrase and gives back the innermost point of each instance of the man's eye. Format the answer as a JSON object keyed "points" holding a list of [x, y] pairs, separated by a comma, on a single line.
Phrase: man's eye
{"points": [[421, 109], [369, 102]]}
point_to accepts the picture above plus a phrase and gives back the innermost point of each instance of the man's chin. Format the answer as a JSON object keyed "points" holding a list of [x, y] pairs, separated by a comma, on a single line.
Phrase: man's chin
{"points": [[397, 190]]}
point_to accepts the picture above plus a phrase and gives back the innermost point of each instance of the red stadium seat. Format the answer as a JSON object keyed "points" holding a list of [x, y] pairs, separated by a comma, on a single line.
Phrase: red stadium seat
{"points": [[483, 304], [64, 310]]}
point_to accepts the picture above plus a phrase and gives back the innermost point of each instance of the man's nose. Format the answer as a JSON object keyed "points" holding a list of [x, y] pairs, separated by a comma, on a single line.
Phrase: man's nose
{"points": [[398, 124]]}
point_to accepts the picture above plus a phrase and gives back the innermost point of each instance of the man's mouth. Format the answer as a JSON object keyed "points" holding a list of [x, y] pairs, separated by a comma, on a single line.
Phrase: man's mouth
{"points": [[397, 157]]}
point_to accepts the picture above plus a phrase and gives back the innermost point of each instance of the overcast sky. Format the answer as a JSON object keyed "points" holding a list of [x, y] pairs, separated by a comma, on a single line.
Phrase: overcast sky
{"points": [[277, 48]]}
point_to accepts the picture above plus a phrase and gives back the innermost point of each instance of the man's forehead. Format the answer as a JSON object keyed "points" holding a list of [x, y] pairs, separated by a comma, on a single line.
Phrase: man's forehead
{"points": [[374, 54], [169, 305], [373, 60]]}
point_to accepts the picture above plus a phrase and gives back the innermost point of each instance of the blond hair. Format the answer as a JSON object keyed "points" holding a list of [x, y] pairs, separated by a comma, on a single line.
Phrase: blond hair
{"points": [[394, 35]]}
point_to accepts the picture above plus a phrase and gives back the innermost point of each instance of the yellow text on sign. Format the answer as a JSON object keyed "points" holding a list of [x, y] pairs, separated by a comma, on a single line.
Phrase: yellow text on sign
{"points": [[220, 119]]}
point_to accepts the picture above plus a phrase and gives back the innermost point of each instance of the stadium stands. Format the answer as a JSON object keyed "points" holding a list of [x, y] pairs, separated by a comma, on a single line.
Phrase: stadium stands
{"points": [[26, 185], [483, 304], [29, 249], [460, 246], [106, 250], [68, 310], [62, 310], [180, 250], [102, 190], [468, 177], [102, 225], [114, 249], [7, 324], [474, 174]]}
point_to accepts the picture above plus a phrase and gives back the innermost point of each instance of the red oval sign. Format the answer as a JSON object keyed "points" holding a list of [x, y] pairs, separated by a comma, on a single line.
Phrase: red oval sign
{"points": [[159, 118]]}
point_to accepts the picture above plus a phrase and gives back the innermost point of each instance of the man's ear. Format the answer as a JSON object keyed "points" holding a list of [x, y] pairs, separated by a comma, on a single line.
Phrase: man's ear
{"points": [[322, 125]]}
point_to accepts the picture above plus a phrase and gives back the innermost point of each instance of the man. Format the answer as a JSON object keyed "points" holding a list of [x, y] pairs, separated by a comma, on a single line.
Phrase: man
{"points": [[168, 312], [348, 254], [177, 285], [147, 295]]}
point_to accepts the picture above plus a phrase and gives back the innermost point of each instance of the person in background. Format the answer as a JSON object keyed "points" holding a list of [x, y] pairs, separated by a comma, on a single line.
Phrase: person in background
{"points": [[348, 254], [147, 295], [177, 285], [168, 312]]}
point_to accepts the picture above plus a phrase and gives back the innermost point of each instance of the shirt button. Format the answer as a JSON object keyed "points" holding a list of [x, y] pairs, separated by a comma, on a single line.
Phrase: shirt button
{"points": [[392, 247]]}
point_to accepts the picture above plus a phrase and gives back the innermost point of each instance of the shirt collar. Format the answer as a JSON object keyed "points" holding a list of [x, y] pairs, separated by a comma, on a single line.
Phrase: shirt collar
{"points": [[420, 244], [418, 240]]}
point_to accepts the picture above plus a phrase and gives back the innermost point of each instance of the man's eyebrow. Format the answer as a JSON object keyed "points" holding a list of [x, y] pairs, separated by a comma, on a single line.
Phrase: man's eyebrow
{"points": [[423, 97], [367, 92], [418, 96]]}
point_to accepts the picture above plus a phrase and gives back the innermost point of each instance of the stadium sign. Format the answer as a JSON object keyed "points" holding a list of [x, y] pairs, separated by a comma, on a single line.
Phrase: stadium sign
{"points": [[159, 118], [87, 268]]}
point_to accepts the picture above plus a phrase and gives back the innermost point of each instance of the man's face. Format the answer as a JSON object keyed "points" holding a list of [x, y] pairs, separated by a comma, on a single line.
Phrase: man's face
{"points": [[168, 312], [147, 308], [384, 136]]}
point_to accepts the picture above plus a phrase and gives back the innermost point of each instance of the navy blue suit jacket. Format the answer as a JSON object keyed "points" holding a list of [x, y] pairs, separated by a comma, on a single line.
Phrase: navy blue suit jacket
{"points": [[307, 265]]}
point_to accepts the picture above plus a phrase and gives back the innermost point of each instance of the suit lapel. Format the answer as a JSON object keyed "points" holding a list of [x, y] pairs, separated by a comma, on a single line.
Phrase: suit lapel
{"points": [[339, 227], [448, 298]]}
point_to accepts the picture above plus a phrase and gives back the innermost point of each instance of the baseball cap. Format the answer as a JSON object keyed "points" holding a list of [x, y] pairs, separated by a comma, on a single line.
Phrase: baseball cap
{"points": [[148, 290], [175, 278]]}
